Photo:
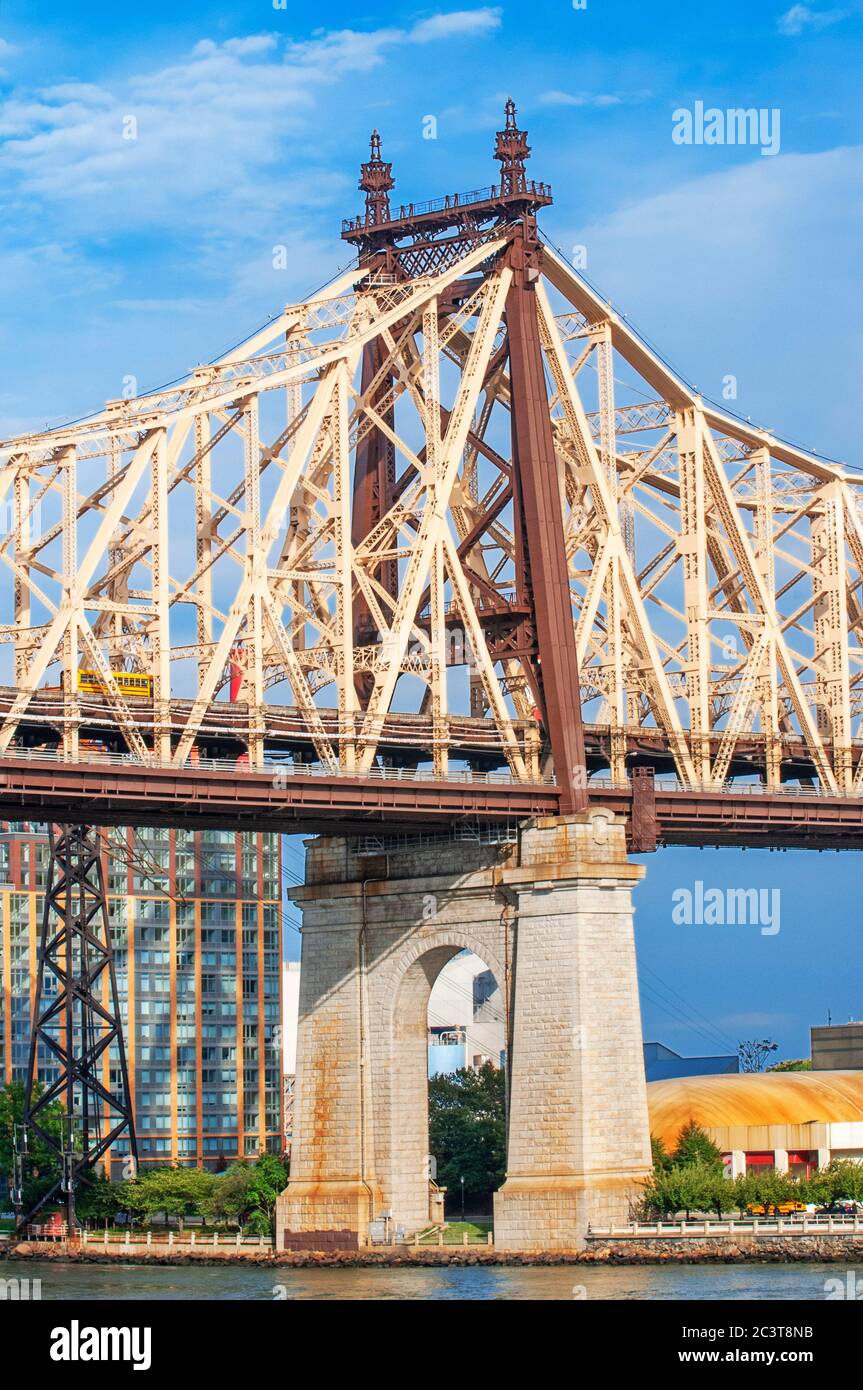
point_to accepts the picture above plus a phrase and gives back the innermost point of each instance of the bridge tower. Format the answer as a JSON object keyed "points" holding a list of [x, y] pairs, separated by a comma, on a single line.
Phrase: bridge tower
{"points": [[550, 911], [427, 238]]}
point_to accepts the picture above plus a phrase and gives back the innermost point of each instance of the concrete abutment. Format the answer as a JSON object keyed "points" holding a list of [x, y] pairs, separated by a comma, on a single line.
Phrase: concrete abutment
{"points": [[551, 915]]}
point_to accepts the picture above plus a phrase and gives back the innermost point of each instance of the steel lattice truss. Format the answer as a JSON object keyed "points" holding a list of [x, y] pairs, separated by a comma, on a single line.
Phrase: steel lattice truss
{"points": [[715, 572], [76, 1019]]}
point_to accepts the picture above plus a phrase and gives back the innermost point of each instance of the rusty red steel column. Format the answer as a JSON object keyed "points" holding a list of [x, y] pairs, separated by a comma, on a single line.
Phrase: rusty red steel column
{"points": [[374, 478], [546, 577], [643, 824], [374, 470]]}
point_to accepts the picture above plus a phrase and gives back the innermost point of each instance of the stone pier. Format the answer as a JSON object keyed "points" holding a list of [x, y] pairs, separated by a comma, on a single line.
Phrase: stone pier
{"points": [[552, 917]]}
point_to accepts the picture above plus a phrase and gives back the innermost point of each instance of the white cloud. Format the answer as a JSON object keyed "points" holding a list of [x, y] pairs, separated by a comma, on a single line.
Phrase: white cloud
{"points": [[718, 272], [755, 1020], [802, 17], [6, 51], [341, 51], [192, 118], [254, 43], [557, 98], [458, 22], [86, 92], [27, 270], [238, 149], [197, 140], [161, 306]]}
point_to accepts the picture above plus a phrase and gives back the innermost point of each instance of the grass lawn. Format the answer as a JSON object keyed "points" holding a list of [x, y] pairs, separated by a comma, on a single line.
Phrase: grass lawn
{"points": [[455, 1231]]}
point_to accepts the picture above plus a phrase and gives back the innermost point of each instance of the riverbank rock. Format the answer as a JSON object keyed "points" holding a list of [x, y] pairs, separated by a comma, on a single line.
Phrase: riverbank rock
{"points": [[648, 1250], [726, 1250]]}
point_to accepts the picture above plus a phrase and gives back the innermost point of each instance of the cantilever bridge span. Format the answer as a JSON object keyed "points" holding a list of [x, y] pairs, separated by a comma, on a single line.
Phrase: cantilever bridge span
{"points": [[450, 515], [445, 545]]}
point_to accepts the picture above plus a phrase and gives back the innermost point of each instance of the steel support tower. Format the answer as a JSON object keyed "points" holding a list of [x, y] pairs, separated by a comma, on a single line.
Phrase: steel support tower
{"points": [[77, 1020]]}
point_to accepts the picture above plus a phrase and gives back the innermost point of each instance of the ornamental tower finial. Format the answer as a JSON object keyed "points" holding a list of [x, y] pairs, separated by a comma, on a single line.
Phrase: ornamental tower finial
{"points": [[512, 149], [376, 180]]}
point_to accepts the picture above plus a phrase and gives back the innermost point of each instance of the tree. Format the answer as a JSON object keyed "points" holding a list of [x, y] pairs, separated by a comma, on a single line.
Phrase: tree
{"points": [[42, 1165], [245, 1194], [98, 1199], [269, 1180], [178, 1192], [230, 1200], [259, 1224], [695, 1149], [659, 1154], [754, 1053], [719, 1194], [674, 1190], [690, 1179], [768, 1188], [689, 1188], [841, 1178], [793, 1064], [748, 1188], [467, 1130]]}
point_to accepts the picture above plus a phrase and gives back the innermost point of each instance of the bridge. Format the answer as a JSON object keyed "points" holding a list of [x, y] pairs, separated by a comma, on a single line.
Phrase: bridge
{"points": [[445, 551]]}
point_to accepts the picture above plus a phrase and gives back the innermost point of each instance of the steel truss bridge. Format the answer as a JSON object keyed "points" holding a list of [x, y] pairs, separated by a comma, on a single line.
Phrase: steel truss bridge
{"points": [[445, 547], [447, 541]]}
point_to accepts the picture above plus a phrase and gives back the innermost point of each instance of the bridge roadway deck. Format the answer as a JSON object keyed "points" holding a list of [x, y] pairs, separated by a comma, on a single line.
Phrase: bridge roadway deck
{"points": [[406, 739], [212, 793]]}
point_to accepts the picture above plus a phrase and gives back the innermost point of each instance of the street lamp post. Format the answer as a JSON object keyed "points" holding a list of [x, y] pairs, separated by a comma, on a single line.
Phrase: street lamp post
{"points": [[461, 1180]]}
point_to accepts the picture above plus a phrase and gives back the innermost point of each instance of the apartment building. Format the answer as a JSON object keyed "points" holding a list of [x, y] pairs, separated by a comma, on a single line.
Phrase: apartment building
{"points": [[196, 930], [466, 1025]]}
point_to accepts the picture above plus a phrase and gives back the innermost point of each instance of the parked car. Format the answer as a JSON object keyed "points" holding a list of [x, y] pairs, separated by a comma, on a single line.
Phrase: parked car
{"points": [[842, 1206]]}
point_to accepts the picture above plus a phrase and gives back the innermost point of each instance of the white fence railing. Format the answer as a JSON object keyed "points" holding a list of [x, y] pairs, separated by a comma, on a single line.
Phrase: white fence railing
{"points": [[128, 1240], [437, 1236], [716, 1226]]}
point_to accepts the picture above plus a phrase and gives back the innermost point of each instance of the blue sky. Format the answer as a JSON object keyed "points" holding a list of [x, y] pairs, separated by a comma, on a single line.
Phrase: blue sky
{"points": [[141, 257]]}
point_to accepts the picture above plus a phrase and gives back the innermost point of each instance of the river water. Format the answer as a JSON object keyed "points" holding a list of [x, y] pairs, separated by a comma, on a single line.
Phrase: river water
{"points": [[248, 1283]]}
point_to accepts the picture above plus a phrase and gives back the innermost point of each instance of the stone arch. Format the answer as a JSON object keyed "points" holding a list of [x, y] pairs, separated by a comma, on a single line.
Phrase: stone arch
{"points": [[406, 1004], [432, 938]]}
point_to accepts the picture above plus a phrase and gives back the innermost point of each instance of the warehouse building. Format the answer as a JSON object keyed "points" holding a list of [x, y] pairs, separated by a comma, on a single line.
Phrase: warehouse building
{"points": [[791, 1122]]}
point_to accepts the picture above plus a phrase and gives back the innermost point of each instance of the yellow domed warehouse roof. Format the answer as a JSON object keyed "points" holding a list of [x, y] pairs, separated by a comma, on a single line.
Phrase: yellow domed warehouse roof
{"points": [[754, 1099]]}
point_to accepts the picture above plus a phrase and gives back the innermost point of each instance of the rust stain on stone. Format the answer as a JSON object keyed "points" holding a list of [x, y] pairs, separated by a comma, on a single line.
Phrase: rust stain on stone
{"points": [[323, 1058]]}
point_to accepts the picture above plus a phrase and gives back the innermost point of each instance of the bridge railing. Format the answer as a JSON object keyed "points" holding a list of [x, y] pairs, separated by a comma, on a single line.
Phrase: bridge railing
{"points": [[674, 784], [663, 784], [451, 202], [281, 769]]}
